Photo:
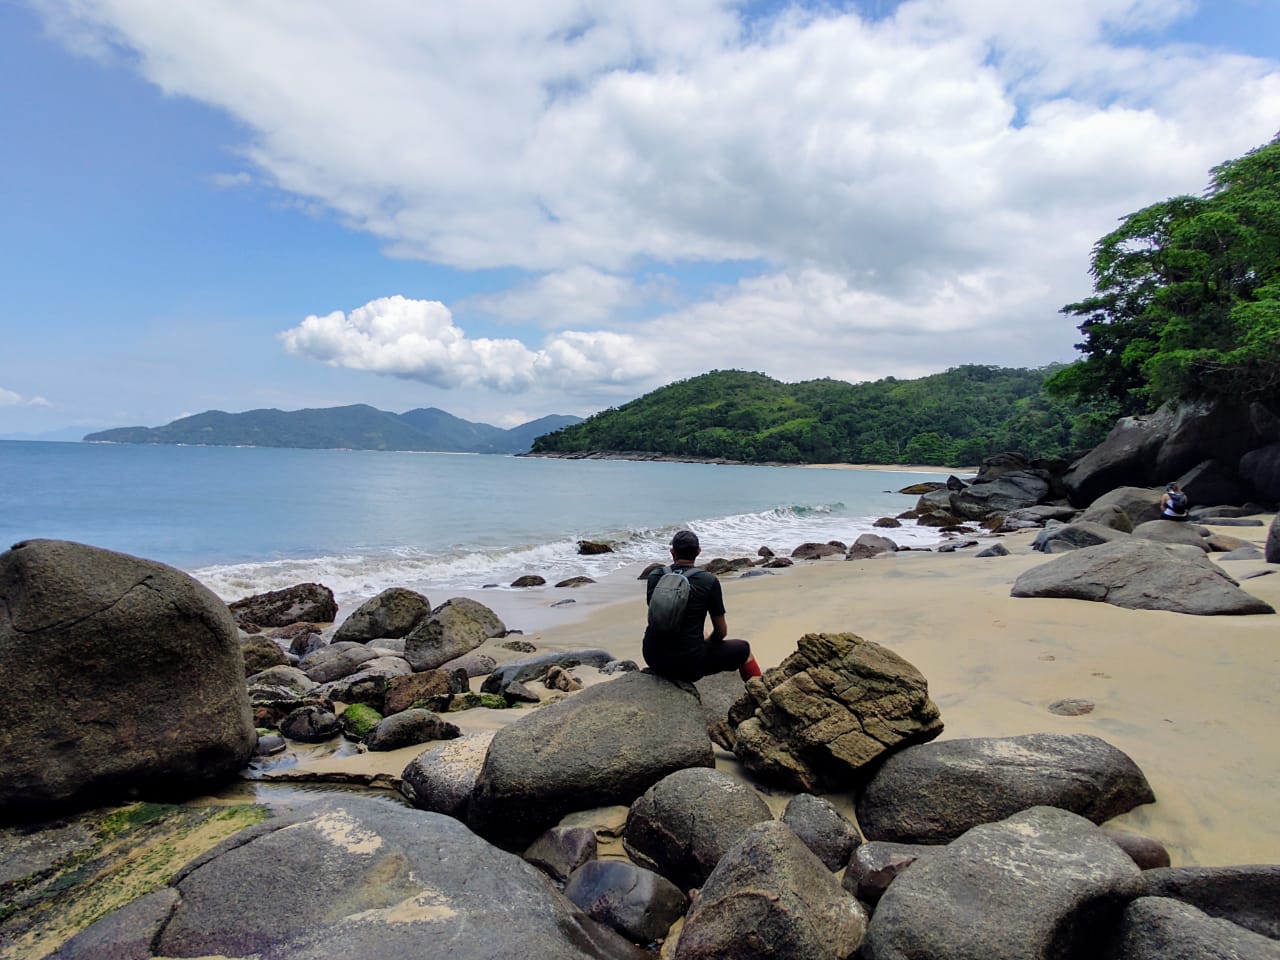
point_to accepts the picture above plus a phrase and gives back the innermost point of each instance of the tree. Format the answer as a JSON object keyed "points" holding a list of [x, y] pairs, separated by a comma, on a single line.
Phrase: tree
{"points": [[1186, 301]]}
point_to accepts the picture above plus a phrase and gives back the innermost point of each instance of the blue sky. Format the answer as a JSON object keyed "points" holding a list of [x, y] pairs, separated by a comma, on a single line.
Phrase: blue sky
{"points": [[510, 211]]}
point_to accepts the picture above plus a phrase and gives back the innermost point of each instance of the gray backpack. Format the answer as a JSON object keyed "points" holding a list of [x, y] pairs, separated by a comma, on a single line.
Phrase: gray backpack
{"points": [[670, 597]]}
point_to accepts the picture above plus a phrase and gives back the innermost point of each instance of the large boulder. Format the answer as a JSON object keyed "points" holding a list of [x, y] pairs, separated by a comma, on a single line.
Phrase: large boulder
{"points": [[121, 677], [442, 779], [1260, 472], [1079, 533], [1157, 928], [358, 877], [935, 792], [870, 545], [1014, 490], [1245, 895], [771, 897], [456, 627], [683, 824], [391, 614], [1139, 504], [302, 603], [1044, 883], [603, 746], [1125, 458], [1224, 430], [1211, 483], [830, 709], [1140, 575]]}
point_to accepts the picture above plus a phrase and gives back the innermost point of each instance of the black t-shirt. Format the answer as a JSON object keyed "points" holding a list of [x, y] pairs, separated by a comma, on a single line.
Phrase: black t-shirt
{"points": [[682, 652]]}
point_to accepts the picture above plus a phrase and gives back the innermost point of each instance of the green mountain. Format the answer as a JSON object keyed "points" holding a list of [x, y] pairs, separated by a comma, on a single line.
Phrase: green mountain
{"points": [[357, 427], [957, 418]]}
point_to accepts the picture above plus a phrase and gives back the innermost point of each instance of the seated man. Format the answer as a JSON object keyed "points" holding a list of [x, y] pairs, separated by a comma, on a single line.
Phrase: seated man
{"points": [[685, 653]]}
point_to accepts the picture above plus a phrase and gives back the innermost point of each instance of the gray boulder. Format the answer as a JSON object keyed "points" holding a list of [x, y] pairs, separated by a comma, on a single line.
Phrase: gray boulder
{"points": [[456, 627], [408, 727], [830, 709], [336, 660], [302, 603], [391, 614], [364, 878], [562, 850], [935, 792], [870, 545], [1140, 575], [1174, 531], [603, 746], [477, 663], [534, 668], [311, 723], [1079, 533], [877, 863], [1125, 458], [1157, 928], [1245, 895], [638, 903], [442, 778], [1211, 482], [369, 684], [683, 824], [1273, 540], [261, 653], [122, 677], [1014, 490], [1044, 883], [1108, 515], [1260, 472], [822, 828], [280, 683], [1225, 430], [771, 897]]}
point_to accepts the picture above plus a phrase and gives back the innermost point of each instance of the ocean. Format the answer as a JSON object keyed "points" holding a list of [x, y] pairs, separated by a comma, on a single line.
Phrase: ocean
{"points": [[243, 520]]}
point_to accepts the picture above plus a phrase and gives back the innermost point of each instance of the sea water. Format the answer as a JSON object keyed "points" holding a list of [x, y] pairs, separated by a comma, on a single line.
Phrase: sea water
{"points": [[244, 520]]}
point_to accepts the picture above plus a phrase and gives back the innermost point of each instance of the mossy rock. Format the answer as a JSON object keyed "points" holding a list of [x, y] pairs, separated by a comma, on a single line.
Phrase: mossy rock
{"points": [[358, 720], [63, 875], [469, 701]]}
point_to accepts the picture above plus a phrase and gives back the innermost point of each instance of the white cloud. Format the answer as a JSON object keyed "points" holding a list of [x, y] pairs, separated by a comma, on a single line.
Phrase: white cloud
{"points": [[8, 398], [914, 192], [417, 340]]}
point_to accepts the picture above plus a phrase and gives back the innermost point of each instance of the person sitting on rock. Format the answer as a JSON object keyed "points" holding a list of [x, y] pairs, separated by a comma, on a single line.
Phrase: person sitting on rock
{"points": [[1173, 505], [685, 653]]}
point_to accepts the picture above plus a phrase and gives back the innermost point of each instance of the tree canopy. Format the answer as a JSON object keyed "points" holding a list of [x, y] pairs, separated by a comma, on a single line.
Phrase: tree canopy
{"points": [[952, 418], [1186, 302]]}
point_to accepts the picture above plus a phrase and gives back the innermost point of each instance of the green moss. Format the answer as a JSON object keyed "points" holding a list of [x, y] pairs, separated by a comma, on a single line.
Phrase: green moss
{"points": [[358, 720], [469, 701], [134, 815]]}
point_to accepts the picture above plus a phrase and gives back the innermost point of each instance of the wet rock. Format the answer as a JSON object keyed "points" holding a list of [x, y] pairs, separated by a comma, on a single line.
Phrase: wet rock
{"points": [[529, 580], [442, 778], [877, 863], [562, 850], [822, 828], [590, 548], [638, 903], [408, 727]]}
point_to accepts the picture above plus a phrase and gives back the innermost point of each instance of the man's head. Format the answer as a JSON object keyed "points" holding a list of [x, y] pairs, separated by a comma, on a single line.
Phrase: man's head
{"points": [[685, 546]]}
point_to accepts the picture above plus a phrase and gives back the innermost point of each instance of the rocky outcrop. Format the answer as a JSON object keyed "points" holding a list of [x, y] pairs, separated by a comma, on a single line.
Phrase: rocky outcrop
{"points": [[1044, 883], [1260, 473], [362, 878], [456, 627], [305, 602], [1210, 483], [603, 746], [683, 824], [935, 792], [830, 709], [1126, 457], [391, 614], [122, 677], [771, 897], [1140, 575]]}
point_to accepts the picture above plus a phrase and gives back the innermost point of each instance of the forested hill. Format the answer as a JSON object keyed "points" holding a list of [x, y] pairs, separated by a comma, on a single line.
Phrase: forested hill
{"points": [[952, 418], [356, 427]]}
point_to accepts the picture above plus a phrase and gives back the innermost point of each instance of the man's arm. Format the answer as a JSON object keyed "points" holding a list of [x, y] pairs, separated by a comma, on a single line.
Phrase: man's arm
{"points": [[719, 628]]}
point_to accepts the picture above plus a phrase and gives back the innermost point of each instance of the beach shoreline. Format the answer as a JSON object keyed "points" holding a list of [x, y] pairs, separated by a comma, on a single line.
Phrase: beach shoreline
{"points": [[1191, 699]]}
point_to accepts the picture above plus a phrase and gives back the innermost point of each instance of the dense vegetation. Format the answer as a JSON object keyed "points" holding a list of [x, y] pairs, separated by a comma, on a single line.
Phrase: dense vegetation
{"points": [[356, 427], [953, 418], [1186, 302]]}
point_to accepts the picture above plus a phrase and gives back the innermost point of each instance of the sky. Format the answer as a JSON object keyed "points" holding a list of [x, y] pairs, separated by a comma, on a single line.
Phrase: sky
{"points": [[508, 210]]}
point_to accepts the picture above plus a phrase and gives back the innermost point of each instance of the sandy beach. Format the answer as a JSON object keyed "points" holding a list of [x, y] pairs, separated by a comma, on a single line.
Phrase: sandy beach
{"points": [[1193, 700]]}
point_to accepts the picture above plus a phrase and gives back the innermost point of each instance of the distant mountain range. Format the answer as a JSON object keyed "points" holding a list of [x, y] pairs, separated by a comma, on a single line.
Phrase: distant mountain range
{"points": [[357, 427]]}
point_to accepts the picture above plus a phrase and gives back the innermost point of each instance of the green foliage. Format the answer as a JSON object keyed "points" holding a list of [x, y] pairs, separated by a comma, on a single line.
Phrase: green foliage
{"points": [[954, 418], [1186, 301]]}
